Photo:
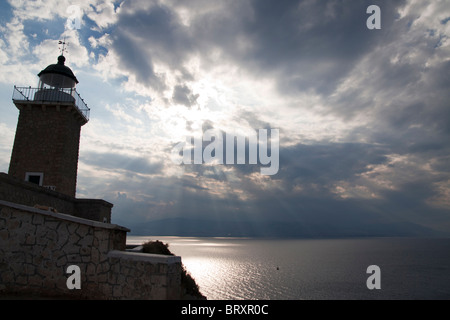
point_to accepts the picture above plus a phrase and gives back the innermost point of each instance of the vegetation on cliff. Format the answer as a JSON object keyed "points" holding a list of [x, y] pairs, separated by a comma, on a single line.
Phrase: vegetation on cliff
{"points": [[188, 283]]}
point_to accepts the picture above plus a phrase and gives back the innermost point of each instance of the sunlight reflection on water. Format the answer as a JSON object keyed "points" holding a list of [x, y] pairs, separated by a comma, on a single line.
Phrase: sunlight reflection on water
{"points": [[234, 269]]}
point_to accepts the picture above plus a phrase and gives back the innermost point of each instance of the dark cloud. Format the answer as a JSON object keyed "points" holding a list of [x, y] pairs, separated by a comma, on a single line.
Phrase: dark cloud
{"points": [[183, 95], [114, 161], [393, 79], [303, 44], [145, 36], [198, 195], [136, 61], [329, 162]]}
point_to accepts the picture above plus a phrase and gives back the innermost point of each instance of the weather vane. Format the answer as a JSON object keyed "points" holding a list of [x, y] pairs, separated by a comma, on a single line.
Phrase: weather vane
{"points": [[63, 47]]}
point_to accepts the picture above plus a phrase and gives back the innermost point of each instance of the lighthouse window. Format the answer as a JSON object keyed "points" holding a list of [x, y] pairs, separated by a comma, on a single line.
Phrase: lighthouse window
{"points": [[35, 177]]}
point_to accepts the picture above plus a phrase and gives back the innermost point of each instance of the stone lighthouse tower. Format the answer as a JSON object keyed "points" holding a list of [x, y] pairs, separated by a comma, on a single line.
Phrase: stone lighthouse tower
{"points": [[46, 144]]}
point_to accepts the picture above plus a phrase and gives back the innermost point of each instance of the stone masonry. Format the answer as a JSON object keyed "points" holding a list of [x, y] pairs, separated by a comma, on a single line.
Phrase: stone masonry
{"points": [[21, 192], [37, 247], [47, 140]]}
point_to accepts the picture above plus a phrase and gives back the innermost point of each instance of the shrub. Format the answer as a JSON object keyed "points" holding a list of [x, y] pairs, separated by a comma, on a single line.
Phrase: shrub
{"points": [[156, 247], [189, 285]]}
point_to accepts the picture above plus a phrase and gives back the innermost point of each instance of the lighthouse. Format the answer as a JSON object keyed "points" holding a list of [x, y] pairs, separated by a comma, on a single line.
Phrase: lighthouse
{"points": [[46, 144]]}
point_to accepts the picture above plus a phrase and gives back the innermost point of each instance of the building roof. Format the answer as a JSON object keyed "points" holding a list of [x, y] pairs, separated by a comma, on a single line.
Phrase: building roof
{"points": [[59, 68]]}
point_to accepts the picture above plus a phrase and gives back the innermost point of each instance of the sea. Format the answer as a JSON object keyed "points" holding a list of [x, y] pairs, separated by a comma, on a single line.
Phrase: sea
{"points": [[315, 269]]}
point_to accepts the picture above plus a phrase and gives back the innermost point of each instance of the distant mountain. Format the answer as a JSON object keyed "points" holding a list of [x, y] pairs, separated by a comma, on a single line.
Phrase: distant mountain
{"points": [[210, 228]]}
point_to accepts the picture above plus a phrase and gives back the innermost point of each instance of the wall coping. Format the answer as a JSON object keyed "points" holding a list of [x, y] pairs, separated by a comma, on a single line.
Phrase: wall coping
{"points": [[147, 257], [64, 216], [86, 200]]}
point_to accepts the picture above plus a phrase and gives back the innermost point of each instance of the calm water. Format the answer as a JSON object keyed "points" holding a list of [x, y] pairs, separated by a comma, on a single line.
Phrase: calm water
{"points": [[227, 268]]}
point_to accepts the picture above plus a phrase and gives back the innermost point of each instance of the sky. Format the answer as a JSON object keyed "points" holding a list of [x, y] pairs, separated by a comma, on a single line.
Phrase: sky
{"points": [[363, 114]]}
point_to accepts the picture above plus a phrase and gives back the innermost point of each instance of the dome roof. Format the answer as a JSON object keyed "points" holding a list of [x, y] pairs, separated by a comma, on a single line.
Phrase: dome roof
{"points": [[59, 68]]}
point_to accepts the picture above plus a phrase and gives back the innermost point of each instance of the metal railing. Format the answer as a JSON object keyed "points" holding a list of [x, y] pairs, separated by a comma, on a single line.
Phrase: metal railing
{"points": [[62, 95]]}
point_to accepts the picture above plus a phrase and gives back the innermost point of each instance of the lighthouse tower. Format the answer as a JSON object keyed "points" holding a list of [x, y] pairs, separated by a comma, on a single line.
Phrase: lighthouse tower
{"points": [[47, 140]]}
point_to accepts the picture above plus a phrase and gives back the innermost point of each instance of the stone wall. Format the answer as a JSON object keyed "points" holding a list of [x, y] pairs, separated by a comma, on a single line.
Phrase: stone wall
{"points": [[19, 191], [47, 140], [37, 247], [92, 209], [144, 276]]}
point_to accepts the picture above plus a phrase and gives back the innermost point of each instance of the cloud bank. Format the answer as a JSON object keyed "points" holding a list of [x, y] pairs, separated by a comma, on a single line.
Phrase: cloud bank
{"points": [[363, 114]]}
